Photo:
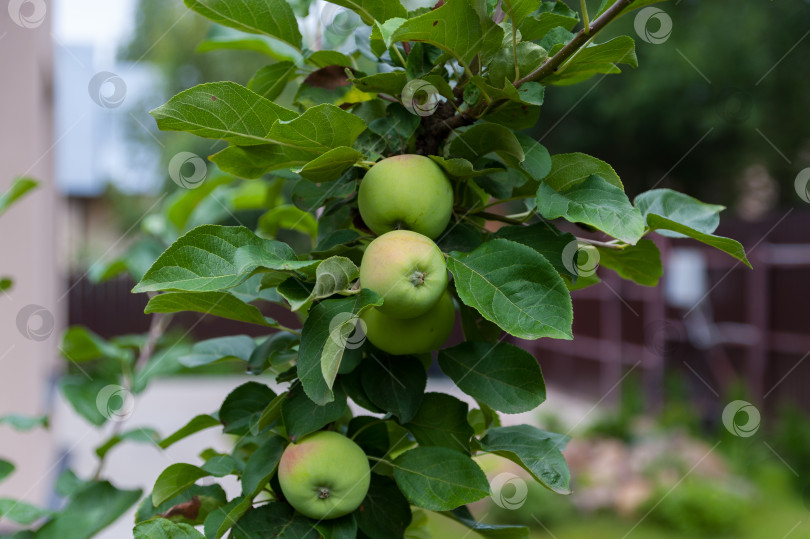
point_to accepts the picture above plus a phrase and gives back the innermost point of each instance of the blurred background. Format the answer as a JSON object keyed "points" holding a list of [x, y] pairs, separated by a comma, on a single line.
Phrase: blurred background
{"points": [[687, 403]]}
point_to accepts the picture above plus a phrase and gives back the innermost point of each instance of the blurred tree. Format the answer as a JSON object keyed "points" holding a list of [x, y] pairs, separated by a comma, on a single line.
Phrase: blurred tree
{"points": [[698, 114]]}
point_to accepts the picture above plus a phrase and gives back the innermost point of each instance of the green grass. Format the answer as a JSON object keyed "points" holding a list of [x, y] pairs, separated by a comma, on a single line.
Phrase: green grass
{"points": [[778, 512]]}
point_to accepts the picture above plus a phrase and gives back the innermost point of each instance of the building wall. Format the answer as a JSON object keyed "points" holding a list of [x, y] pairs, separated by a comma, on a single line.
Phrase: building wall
{"points": [[28, 335]]}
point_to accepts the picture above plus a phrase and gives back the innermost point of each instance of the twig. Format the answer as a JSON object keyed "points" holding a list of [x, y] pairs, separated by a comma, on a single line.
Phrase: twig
{"points": [[613, 244], [496, 217], [580, 39]]}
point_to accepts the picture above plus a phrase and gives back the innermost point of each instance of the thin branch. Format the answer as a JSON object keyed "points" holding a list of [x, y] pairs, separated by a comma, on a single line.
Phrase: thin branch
{"points": [[496, 217], [613, 244], [582, 37]]}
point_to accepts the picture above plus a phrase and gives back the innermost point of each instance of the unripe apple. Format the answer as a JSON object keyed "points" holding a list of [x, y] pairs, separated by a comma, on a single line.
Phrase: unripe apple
{"points": [[407, 269], [324, 475], [403, 336], [408, 192]]}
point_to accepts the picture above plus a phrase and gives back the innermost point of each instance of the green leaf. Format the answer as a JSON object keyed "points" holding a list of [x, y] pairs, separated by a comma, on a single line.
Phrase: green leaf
{"points": [[455, 28], [319, 129], [80, 344], [547, 240], [681, 208], [161, 528], [223, 518], [140, 435], [309, 196], [241, 404], [391, 83], [518, 10], [640, 263], [6, 469], [274, 18], [183, 505], [24, 423], [596, 59], [526, 297], [221, 110], [727, 245], [302, 416], [501, 375], [537, 451], [212, 257], [275, 519], [276, 351], [197, 423], [594, 202], [287, 217], [395, 384], [331, 327], [270, 80], [21, 512], [223, 38], [18, 189], [222, 304], [461, 168], [514, 115], [261, 466], [569, 169], [374, 10], [501, 69], [339, 528], [331, 165], [386, 512], [490, 531], [325, 58], [441, 421], [220, 465], [271, 413], [82, 394], [481, 139], [211, 350], [439, 479], [89, 511], [254, 161], [174, 480], [535, 28], [68, 484], [333, 275]]}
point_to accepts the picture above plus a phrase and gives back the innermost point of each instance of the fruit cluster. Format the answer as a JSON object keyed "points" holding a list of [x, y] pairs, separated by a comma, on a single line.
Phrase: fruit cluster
{"points": [[408, 201]]}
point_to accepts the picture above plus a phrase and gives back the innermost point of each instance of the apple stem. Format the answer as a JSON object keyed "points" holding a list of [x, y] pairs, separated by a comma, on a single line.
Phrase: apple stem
{"points": [[323, 493]]}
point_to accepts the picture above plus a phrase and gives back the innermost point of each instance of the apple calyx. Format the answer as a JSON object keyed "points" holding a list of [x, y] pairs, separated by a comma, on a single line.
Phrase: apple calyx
{"points": [[323, 493], [418, 278]]}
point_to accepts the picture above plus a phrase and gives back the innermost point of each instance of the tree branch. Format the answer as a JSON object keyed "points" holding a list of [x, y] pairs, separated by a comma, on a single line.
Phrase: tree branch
{"points": [[436, 127], [582, 37]]}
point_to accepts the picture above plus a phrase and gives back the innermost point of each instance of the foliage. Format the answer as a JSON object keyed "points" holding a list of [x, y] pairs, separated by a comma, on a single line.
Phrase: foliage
{"points": [[455, 83], [647, 121], [698, 507]]}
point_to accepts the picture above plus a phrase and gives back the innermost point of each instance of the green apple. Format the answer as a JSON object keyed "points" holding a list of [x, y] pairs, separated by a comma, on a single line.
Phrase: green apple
{"points": [[324, 475], [402, 336], [407, 269], [408, 192]]}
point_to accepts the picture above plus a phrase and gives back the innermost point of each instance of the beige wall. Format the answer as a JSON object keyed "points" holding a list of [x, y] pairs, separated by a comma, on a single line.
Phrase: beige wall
{"points": [[27, 250]]}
